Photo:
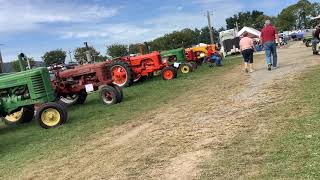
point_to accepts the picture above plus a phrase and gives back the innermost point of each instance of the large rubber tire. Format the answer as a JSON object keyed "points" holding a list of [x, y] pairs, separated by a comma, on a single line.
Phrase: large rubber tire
{"points": [[185, 68], [68, 100], [23, 115], [82, 96], [108, 95], [51, 115], [119, 93], [169, 73], [122, 74], [308, 43]]}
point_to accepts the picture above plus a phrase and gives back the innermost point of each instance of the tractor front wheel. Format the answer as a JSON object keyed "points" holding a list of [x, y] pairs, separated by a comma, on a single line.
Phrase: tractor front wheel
{"points": [[119, 93], [108, 95], [169, 73], [69, 100], [51, 115], [23, 115], [121, 73], [82, 96], [185, 68], [308, 43]]}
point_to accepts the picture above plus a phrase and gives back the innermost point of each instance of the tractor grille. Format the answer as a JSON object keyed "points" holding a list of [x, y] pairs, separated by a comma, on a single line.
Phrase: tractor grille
{"points": [[38, 85]]}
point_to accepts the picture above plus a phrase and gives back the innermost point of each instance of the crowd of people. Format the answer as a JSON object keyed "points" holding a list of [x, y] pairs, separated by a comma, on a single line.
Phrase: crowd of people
{"points": [[269, 41]]}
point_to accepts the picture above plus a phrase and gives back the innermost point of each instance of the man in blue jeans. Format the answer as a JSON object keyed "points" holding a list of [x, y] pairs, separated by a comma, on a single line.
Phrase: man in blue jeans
{"points": [[269, 37]]}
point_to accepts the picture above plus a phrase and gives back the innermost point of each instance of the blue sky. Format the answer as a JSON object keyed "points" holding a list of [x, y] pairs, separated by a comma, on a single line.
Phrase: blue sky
{"points": [[37, 26]]}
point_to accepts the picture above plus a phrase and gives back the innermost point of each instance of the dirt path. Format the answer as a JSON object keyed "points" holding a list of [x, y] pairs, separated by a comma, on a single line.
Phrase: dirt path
{"points": [[173, 141]]}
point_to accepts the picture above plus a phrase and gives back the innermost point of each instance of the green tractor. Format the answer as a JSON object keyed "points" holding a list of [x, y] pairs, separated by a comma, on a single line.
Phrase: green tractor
{"points": [[307, 39], [23, 93], [177, 58]]}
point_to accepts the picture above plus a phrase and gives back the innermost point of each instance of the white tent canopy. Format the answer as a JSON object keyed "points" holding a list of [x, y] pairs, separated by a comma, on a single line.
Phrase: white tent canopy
{"points": [[253, 33], [318, 17]]}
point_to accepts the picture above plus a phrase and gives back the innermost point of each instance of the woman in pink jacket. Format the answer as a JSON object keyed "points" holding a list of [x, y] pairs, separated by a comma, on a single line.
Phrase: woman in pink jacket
{"points": [[247, 49]]}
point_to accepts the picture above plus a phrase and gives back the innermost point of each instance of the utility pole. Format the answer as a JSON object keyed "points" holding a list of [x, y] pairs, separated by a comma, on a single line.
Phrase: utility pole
{"points": [[210, 27], [1, 61], [69, 52]]}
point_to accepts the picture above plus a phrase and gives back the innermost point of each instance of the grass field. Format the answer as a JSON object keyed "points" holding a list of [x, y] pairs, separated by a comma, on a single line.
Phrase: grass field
{"points": [[293, 149], [289, 148], [28, 143]]}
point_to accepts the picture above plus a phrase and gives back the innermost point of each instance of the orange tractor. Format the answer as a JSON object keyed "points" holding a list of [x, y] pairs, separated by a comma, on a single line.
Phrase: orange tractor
{"points": [[126, 70]]}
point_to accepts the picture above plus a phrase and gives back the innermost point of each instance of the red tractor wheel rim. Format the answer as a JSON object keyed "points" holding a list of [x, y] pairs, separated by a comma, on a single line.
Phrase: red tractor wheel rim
{"points": [[167, 74], [119, 75]]}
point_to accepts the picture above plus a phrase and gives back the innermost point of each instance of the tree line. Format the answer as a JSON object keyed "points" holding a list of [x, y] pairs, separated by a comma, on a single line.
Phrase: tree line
{"points": [[296, 16]]}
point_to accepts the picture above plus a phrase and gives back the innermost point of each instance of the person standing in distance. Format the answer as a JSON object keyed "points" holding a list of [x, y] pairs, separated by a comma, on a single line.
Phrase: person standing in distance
{"points": [[269, 37]]}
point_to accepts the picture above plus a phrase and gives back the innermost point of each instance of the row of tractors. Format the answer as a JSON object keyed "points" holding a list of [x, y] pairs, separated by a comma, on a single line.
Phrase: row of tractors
{"points": [[45, 93]]}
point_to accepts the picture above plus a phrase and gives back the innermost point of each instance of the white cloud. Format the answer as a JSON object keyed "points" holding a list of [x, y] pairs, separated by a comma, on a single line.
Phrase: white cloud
{"points": [[25, 15]]}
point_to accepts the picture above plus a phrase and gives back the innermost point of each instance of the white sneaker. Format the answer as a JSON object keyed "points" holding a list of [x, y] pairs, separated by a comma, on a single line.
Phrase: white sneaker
{"points": [[275, 67], [251, 71]]}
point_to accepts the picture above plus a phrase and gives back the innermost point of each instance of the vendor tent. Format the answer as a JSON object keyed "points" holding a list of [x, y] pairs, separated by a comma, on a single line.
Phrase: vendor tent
{"points": [[253, 33], [318, 17]]}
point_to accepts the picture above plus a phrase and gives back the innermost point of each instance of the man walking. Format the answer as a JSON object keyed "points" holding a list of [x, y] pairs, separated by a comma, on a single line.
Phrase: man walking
{"points": [[269, 36]]}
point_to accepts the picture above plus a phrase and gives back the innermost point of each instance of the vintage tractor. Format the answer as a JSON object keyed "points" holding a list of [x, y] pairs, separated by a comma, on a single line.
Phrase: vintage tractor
{"points": [[177, 58], [126, 70], [73, 85], [191, 56], [307, 39], [21, 92], [199, 53]]}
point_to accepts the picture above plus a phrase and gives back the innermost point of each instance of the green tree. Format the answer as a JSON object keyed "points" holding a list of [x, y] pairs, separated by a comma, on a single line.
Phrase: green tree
{"points": [[81, 57], [16, 66], [117, 50], [255, 19], [100, 58], [297, 16], [56, 56], [205, 35]]}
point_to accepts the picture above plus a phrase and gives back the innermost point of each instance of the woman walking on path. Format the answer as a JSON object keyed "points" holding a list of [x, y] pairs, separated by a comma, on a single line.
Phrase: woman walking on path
{"points": [[247, 49]]}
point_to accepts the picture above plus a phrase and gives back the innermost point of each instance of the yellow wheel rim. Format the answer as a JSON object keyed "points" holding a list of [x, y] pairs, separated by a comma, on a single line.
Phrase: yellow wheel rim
{"points": [[185, 69], [50, 117], [14, 117]]}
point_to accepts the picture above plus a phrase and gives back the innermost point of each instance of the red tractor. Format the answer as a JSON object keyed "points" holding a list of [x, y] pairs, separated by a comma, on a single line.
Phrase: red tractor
{"points": [[192, 56], [126, 70], [73, 85]]}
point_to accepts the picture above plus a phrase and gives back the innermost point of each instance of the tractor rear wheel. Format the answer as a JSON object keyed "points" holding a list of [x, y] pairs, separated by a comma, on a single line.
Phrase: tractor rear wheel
{"points": [[23, 115], [308, 43], [108, 95], [169, 73], [185, 68], [51, 115], [121, 73], [119, 93]]}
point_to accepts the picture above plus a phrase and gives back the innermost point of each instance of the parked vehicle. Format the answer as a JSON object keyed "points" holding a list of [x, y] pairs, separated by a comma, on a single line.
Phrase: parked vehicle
{"points": [[177, 58], [73, 85], [20, 92], [126, 70]]}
